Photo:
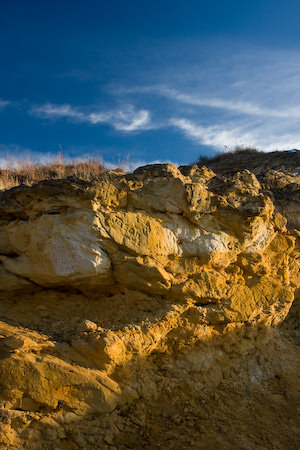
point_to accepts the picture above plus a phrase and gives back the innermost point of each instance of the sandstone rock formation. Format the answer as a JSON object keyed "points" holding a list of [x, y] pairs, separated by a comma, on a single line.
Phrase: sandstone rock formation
{"points": [[142, 310], [278, 172]]}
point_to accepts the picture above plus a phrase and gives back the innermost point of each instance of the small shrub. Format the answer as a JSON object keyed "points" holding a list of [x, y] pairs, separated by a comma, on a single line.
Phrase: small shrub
{"points": [[245, 149]]}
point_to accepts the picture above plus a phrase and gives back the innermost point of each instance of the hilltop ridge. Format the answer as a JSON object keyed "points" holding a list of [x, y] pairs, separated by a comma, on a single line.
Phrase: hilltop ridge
{"points": [[257, 162]]}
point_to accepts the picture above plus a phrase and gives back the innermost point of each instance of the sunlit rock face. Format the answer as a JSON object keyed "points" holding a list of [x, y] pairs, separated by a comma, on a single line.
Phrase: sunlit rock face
{"points": [[107, 286], [54, 252]]}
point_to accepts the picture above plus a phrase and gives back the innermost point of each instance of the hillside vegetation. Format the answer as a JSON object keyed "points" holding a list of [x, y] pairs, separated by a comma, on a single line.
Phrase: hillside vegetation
{"points": [[18, 172], [253, 160]]}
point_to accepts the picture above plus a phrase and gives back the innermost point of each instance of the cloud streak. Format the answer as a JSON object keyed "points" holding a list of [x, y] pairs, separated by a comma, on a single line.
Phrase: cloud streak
{"points": [[127, 119], [220, 136], [4, 104], [240, 107], [237, 96], [50, 111], [244, 95]]}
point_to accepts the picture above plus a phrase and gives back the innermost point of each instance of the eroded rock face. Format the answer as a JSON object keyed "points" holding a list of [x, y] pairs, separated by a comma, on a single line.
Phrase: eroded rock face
{"points": [[108, 286], [278, 173]]}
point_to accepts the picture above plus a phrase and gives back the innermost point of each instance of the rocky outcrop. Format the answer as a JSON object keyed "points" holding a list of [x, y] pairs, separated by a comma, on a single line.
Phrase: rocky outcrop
{"points": [[118, 293], [278, 172], [284, 190]]}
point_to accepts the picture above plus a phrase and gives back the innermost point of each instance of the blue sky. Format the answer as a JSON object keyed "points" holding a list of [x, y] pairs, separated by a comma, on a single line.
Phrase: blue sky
{"points": [[149, 81]]}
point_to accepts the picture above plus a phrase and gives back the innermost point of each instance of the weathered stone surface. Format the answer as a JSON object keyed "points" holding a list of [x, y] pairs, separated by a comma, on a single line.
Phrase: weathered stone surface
{"points": [[278, 173], [52, 252], [119, 291]]}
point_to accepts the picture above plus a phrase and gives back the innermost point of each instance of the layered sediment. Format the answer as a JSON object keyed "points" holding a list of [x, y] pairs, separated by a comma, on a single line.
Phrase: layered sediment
{"points": [[157, 309]]}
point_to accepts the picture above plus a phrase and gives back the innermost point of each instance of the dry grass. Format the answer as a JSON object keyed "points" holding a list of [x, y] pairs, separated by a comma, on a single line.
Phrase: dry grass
{"points": [[27, 172], [242, 150], [245, 149]]}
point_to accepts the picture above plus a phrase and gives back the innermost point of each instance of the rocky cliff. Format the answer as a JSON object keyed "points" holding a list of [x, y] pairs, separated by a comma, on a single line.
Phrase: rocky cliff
{"points": [[157, 309]]}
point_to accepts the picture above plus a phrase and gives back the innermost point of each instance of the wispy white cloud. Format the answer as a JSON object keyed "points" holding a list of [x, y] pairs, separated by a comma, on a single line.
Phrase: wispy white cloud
{"points": [[216, 94], [220, 136], [127, 119], [4, 104], [237, 95], [235, 105], [130, 121], [50, 111]]}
